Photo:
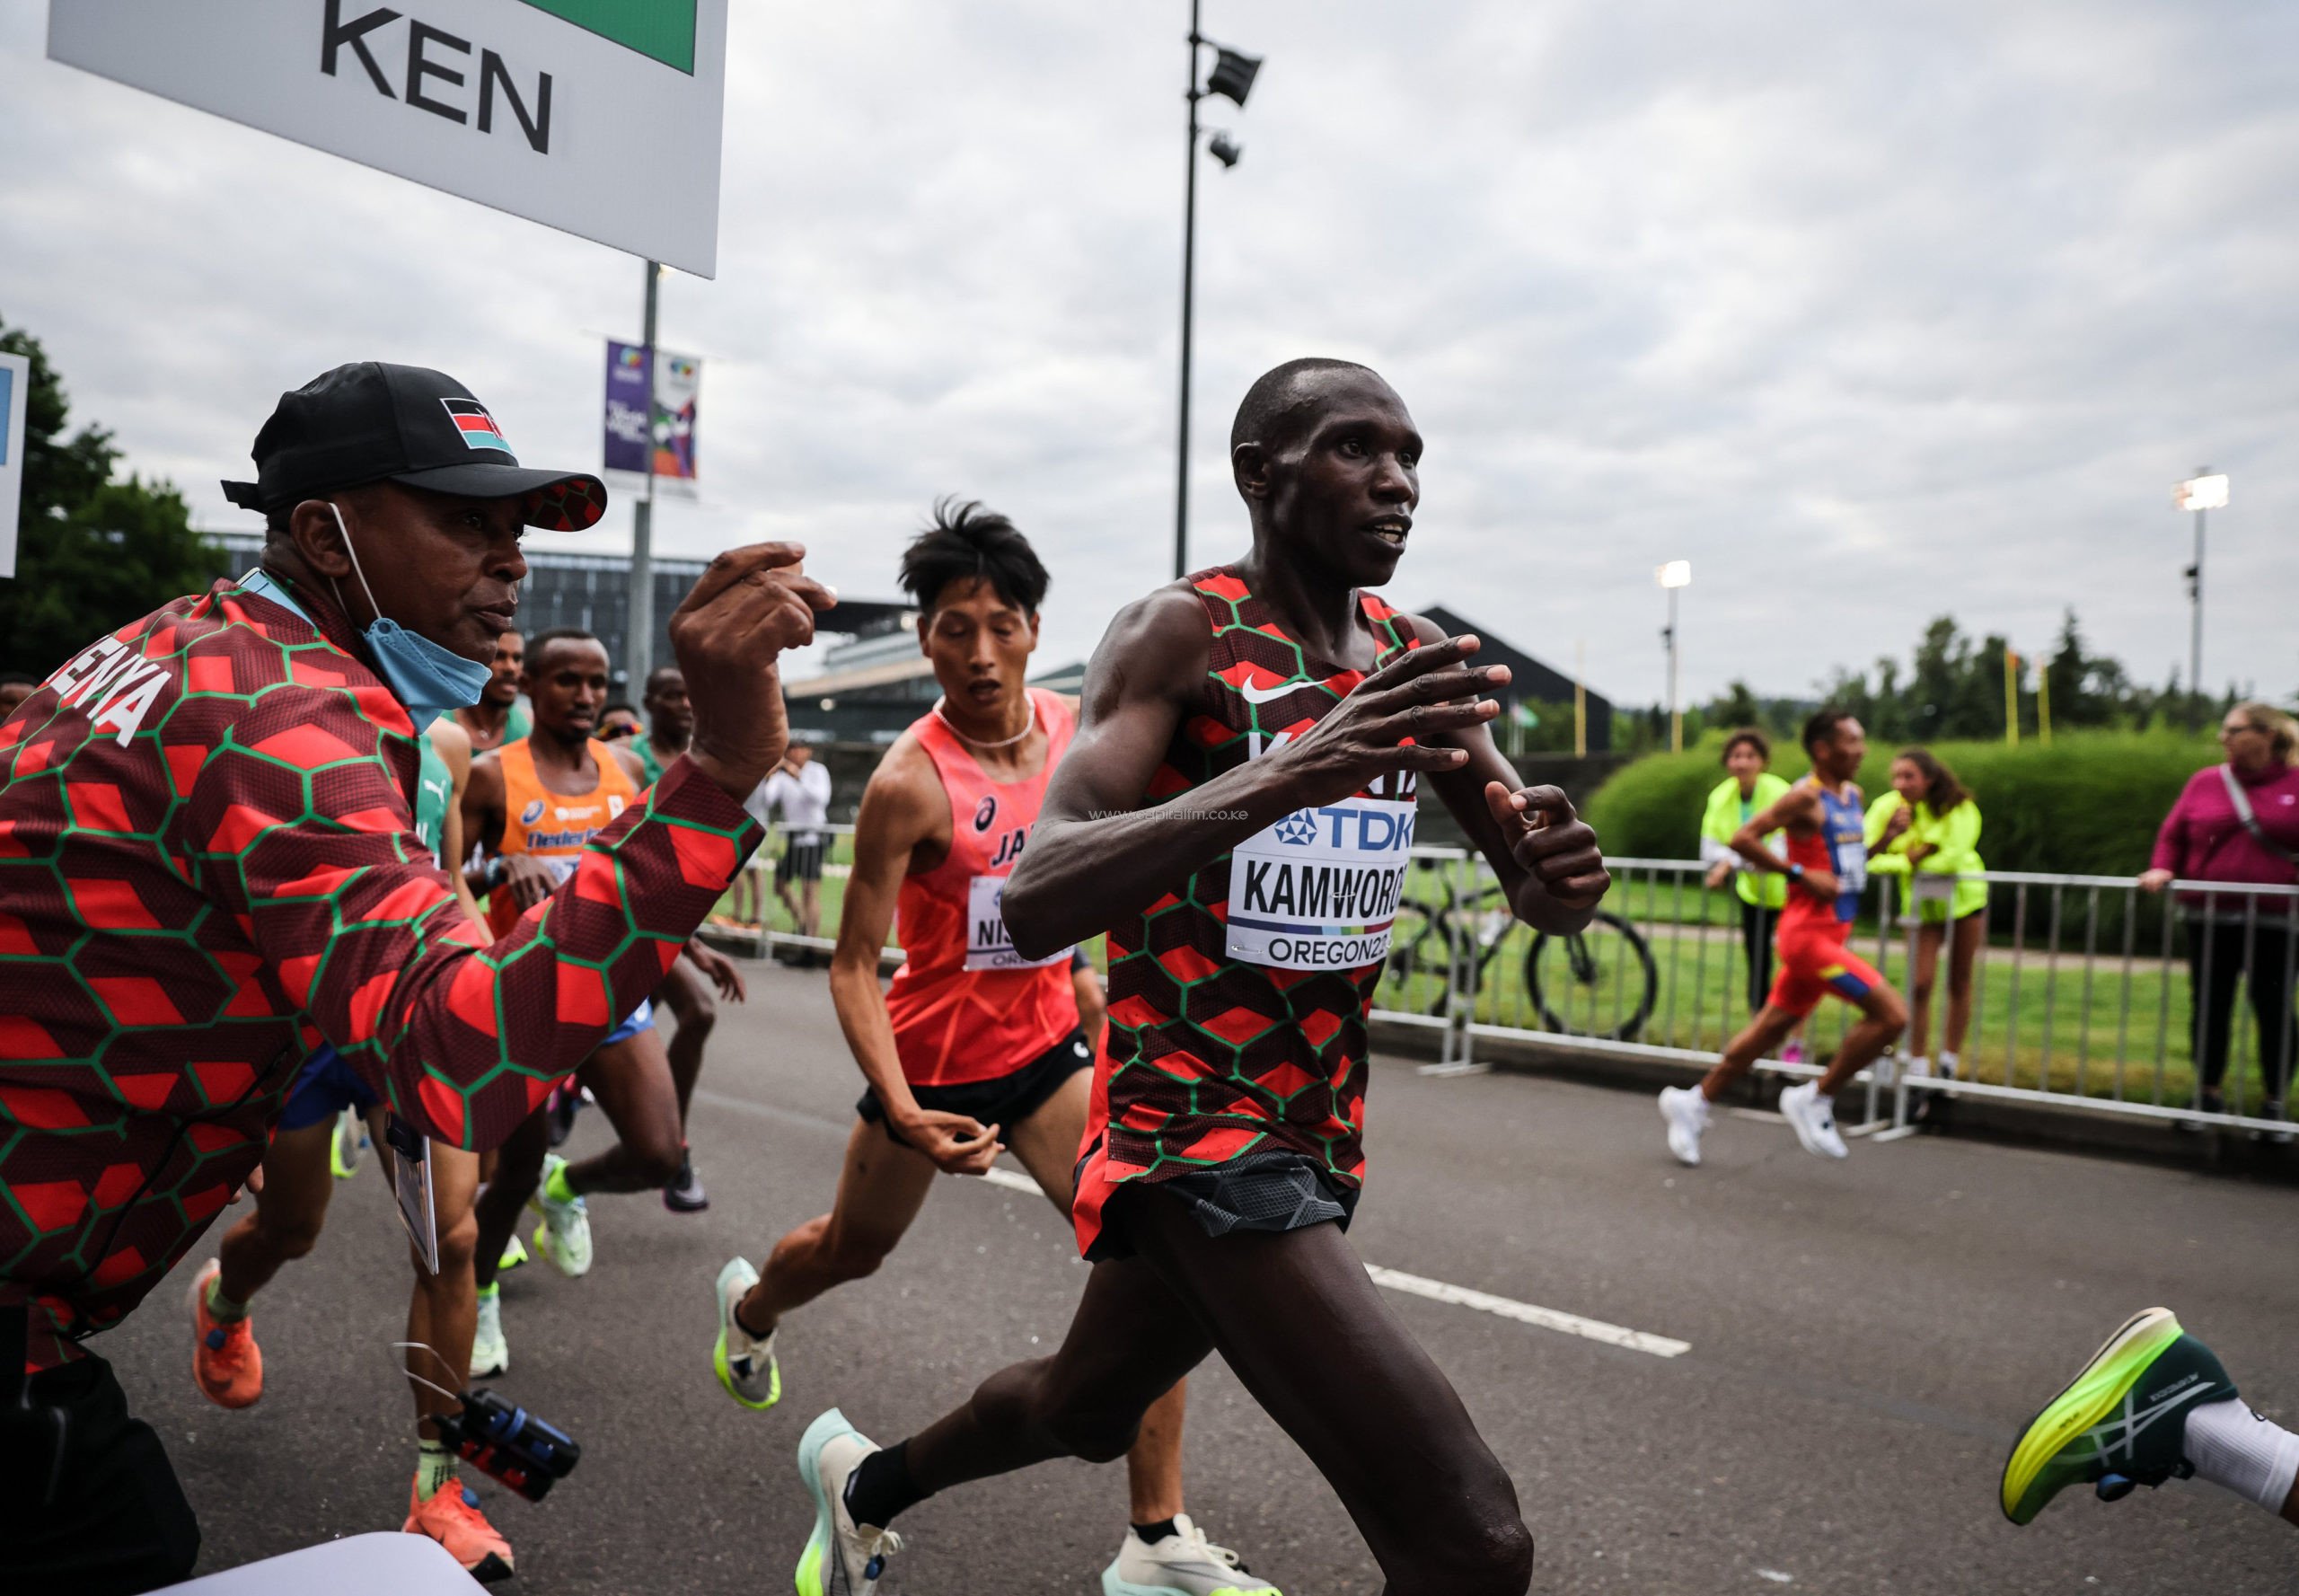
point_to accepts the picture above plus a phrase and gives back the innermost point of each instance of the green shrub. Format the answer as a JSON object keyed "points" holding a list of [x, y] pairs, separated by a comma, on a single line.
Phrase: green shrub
{"points": [[2087, 806]]}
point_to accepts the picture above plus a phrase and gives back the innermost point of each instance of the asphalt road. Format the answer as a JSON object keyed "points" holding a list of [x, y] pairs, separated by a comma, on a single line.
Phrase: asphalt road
{"points": [[1864, 1337]]}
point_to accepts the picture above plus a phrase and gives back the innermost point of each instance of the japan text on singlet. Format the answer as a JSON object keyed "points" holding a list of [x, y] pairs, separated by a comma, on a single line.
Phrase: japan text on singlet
{"points": [[1237, 1003], [553, 827], [966, 1007]]}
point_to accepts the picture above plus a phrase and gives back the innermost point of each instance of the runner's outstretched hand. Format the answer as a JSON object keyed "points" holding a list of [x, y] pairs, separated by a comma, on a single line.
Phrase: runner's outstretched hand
{"points": [[1399, 718], [958, 1144], [1555, 846], [719, 968], [750, 606]]}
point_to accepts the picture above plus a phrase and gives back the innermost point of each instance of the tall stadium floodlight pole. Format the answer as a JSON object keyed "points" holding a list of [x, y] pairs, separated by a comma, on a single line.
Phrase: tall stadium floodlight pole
{"points": [[1233, 76], [639, 638], [2202, 492], [1675, 575]]}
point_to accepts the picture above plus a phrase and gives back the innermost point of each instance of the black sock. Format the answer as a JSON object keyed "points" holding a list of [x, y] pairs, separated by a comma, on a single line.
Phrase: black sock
{"points": [[1151, 1534], [881, 1486]]}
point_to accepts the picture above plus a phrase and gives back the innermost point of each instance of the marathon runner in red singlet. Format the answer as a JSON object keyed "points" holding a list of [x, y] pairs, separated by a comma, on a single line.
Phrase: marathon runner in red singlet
{"points": [[974, 1049], [1826, 868], [1235, 812]]}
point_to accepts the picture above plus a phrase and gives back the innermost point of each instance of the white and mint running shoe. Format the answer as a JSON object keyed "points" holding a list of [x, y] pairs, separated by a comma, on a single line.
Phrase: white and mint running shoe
{"points": [[842, 1557], [1182, 1564], [1813, 1119], [744, 1363], [1685, 1110], [490, 1356], [564, 1236]]}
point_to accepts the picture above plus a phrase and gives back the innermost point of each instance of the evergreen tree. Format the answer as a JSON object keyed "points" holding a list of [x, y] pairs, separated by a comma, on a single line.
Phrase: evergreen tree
{"points": [[92, 554]]}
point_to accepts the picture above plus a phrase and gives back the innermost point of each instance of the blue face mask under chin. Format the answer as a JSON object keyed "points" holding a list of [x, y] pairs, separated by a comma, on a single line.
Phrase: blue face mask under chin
{"points": [[428, 679]]}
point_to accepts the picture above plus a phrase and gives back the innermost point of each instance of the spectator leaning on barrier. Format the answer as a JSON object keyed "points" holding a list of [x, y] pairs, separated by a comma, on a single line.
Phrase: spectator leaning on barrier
{"points": [[208, 865], [2239, 822], [1927, 828], [1747, 788]]}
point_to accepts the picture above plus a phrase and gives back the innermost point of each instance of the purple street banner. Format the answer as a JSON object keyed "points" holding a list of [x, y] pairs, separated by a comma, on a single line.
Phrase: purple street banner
{"points": [[665, 428]]}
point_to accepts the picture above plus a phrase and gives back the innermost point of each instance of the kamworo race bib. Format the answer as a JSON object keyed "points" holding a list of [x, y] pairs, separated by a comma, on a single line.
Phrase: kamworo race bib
{"points": [[988, 946], [1318, 890]]}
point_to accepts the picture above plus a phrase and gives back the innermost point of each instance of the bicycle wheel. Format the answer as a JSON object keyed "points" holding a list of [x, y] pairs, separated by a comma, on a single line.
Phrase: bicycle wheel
{"points": [[1420, 964], [1596, 983]]}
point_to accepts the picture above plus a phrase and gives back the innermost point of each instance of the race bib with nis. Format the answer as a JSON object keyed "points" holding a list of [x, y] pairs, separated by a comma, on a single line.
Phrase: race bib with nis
{"points": [[1318, 890], [988, 946]]}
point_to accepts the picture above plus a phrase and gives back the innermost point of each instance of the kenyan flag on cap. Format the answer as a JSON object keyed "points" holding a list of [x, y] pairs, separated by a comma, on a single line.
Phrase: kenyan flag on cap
{"points": [[478, 427]]}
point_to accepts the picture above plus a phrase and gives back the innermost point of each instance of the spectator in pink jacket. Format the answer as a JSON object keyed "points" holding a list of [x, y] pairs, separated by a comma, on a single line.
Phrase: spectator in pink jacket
{"points": [[2239, 822]]}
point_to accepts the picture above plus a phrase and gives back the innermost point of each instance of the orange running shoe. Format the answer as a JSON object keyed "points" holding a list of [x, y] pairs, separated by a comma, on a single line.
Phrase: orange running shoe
{"points": [[452, 1518], [224, 1358]]}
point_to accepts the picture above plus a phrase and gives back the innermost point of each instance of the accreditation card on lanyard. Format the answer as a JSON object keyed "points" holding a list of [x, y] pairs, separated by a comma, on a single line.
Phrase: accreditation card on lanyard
{"points": [[1318, 890], [411, 1184]]}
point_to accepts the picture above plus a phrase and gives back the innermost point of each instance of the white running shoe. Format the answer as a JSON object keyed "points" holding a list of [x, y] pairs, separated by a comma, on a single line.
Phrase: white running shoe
{"points": [[744, 1363], [842, 1557], [1182, 1564], [1813, 1119], [490, 1356], [1686, 1110], [564, 1236], [1917, 1068]]}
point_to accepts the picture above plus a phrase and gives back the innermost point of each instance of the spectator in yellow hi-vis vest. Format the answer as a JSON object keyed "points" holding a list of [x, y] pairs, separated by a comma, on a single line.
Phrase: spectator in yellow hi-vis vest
{"points": [[1747, 788], [1927, 828]]}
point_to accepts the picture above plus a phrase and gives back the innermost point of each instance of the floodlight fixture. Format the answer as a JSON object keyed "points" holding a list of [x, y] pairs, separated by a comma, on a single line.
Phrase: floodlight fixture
{"points": [[2201, 493], [1676, 573], [1233, 74], [1224, 148]]}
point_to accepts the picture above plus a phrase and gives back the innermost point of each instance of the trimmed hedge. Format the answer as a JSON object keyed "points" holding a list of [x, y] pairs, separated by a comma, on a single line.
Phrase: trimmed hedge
{"points": [[2087, 806]]}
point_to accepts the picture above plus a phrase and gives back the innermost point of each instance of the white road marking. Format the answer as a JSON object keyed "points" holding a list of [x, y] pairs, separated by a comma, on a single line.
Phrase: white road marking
{"points": [[1438, 1290], [1526, 1313], [1775, 1576]]}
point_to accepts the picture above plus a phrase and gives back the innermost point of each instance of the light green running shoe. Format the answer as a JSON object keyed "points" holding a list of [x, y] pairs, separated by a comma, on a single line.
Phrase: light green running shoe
{"points": [[564, 1236], [515, 1253], [350, 1141], [2122, 1420], [490, 1354], [842, 1557], [744, 1363]]}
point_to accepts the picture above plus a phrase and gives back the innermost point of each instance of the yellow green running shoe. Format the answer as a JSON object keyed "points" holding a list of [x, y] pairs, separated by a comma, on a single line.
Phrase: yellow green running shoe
{"points": [[344, 1148], [2122, 1420]]}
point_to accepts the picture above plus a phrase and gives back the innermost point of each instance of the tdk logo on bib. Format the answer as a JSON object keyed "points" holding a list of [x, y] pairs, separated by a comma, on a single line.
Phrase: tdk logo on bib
{"points": [[1318, 889], [1298, 828]]}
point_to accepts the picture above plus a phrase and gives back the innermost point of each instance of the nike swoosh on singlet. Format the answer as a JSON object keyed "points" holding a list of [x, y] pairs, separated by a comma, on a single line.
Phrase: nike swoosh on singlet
{"points": [[1262, 695]]}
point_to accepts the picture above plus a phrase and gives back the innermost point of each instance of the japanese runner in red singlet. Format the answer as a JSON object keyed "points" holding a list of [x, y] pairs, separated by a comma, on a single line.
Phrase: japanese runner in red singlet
{"points": [[1827, 867], [976, 1046], [1237, 812]]}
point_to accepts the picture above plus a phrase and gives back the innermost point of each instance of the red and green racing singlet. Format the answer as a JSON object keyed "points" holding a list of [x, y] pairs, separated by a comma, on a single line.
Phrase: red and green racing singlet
{"points": [[1237, 1003]]}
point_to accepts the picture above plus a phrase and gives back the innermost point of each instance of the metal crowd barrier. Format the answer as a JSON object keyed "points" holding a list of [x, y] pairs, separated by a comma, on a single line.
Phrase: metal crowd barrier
{"points": [[2080, 991]]}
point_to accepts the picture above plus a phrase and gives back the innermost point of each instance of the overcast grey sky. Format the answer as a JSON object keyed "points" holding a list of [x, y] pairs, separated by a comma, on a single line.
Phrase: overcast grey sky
{"points": [[1870, 313]]}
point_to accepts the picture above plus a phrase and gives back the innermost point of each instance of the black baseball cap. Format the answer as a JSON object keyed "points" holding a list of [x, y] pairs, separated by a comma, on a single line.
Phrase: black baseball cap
{"points": [[370, 422]]}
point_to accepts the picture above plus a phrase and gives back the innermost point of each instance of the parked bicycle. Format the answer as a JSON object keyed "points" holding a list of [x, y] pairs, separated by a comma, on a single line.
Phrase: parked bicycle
{"points": [[1600, 981]]}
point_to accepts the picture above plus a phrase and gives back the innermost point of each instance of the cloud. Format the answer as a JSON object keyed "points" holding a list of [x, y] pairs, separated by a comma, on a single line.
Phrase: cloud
{"points": [[1872, 314]]}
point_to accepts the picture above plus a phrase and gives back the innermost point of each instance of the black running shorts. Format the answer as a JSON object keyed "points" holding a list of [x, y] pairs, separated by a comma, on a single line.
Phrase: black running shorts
{"points": [[1003, 1100], [1262, 1191]]}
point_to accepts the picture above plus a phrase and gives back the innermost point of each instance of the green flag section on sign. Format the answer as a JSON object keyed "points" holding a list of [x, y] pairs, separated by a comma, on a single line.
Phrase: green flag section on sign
{"points": [[663, 29]]}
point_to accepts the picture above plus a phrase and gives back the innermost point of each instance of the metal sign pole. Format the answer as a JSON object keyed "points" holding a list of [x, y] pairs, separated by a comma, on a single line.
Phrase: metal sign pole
{"points": [[638, 635]]}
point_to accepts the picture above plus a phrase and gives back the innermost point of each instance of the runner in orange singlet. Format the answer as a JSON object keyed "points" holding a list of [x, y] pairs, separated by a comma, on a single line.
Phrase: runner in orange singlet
{"points": [[1827, 869], [974, 1049], [534, 805], [1236, 813]]}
